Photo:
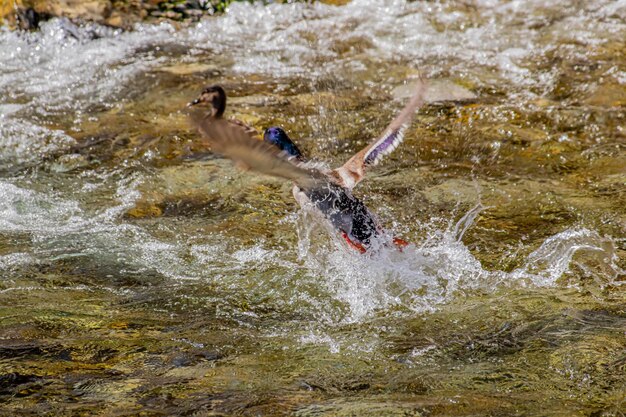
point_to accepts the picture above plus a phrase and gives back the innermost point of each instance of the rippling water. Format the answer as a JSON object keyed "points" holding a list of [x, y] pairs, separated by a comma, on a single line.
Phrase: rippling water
{"points": [[140, 273]]}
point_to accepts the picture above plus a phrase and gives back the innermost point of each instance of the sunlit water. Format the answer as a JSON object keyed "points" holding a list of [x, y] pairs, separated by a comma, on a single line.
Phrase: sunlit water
{"points": [[140, 273]]}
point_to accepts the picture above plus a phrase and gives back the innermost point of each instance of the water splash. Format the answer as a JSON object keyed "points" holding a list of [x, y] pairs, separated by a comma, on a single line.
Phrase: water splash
{"points": [[441, 268], [581, 247], [420, 278]]}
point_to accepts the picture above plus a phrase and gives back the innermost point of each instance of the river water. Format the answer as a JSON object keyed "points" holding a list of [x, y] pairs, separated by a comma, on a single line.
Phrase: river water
{"points": [[142, 274]]}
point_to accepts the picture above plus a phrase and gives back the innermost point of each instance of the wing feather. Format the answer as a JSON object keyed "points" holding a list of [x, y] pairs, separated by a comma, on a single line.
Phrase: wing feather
{"points": [[235, 142], [352, 172]]}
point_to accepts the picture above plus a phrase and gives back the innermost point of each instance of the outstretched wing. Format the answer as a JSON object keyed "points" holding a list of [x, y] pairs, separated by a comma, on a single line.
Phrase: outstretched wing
{"points": [[352, 172], [235, 142]]}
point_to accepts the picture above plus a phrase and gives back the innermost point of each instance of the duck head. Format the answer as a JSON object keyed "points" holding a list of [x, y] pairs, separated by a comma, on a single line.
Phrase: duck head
{"points": [[279, 138], [213, 97]]}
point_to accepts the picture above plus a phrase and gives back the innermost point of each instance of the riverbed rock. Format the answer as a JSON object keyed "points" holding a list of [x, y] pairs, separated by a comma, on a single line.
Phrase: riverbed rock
{"points": [[190, 68], [26, 14], [92, 10], [438, 91]]}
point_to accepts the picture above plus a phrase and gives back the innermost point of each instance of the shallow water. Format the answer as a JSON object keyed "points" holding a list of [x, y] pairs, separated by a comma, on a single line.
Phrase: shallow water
{"points": [[142, 274]]}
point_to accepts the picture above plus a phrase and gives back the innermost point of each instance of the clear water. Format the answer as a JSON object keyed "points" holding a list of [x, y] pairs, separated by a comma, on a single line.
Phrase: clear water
{"points": [[140, 274]]}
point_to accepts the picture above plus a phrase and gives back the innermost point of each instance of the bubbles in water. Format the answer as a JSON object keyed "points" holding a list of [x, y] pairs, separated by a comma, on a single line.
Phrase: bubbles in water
{"points": [[13, 260]]}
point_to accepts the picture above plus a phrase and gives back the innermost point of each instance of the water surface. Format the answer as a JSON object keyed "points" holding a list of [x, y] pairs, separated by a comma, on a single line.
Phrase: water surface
{"points": [[142, 274]]}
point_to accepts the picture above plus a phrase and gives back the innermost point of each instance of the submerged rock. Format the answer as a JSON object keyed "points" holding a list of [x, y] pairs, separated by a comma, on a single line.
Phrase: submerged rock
{"points": [[28, 19], [438, 90], [190, 68], [26, 14]]}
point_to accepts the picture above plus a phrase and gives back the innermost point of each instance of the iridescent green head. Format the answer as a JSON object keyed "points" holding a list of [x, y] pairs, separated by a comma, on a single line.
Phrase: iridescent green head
{"points": [[279, 138]]}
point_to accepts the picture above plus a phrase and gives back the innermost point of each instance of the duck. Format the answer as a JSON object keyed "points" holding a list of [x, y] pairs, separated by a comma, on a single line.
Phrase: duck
{"points": [[327, 191]]}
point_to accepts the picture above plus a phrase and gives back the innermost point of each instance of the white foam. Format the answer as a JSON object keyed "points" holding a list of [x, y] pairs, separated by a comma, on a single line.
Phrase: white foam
{"points": [[25, 142], [56, 72], [420, 278], [23, 210], [15, 259]]}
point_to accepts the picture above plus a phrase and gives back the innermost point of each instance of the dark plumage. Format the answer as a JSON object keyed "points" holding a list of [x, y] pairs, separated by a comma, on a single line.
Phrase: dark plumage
{"points": [[278, 137], [329, 191], [345, 212]]}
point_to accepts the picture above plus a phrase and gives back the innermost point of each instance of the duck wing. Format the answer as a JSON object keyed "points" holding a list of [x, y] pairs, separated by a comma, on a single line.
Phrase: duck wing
{"points": [[235, 141], [353, 171], [247, 128]]}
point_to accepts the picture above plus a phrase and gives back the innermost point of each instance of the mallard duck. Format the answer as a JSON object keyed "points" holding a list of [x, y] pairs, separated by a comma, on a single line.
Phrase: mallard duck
{"points": [[329, 191]]}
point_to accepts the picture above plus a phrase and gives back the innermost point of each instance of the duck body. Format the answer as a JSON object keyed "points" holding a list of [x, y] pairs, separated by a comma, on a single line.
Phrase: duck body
{"points": [[347, 214], [327, 191]]}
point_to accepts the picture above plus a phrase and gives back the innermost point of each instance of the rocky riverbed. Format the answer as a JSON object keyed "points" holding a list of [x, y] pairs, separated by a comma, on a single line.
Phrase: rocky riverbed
{"points": [[28, 14]]}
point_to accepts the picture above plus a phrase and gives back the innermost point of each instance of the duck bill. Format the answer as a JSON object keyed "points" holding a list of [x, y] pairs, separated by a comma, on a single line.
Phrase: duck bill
{"points": [[193, 103]]}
